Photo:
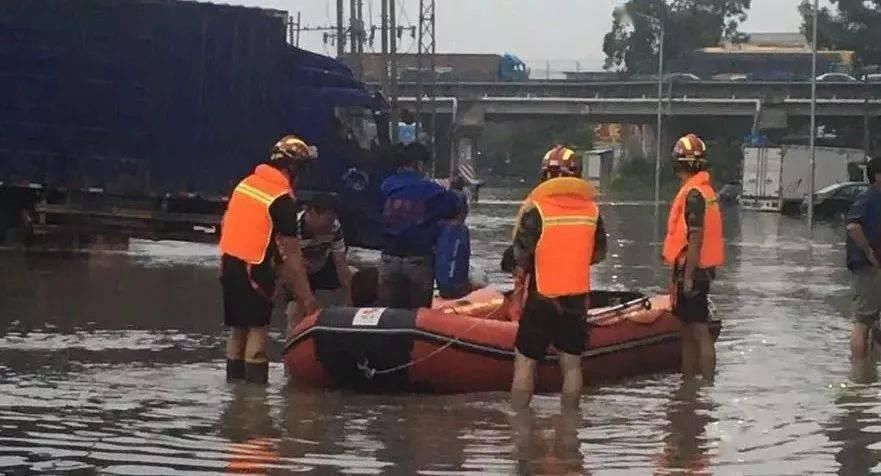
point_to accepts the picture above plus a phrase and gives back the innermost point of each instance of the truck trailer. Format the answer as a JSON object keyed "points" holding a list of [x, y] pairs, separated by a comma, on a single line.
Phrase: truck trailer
{"points": [[447, 67], [777, 179], [136, 118]]}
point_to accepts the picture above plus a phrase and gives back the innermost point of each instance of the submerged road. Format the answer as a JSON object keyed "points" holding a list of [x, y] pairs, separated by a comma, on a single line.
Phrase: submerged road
{"points": [[112, 362]]}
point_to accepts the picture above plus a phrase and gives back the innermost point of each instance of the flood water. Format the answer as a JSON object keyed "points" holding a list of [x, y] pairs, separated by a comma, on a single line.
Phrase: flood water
{"points": [[112, 362]]}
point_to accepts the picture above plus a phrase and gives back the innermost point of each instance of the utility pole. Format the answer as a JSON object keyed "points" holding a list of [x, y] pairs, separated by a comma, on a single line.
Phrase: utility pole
{"points": [[426, 46], [356, 36], [813, 139], [340, 30], [362, 30], [299, 26], [393, 92], [384, 40]]}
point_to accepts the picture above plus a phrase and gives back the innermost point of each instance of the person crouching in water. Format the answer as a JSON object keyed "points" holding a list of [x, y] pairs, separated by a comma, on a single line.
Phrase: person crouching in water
{"points": [[258, 243], [324, 252], [557, 237], [413, 208], [694, 248], [452, 255]]}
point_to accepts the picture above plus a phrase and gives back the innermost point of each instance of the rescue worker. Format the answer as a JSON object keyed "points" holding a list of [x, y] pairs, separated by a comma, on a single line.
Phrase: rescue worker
{"points": [[558, 235], [413, 209], [694, 247], [259, 243], [321, 238]]}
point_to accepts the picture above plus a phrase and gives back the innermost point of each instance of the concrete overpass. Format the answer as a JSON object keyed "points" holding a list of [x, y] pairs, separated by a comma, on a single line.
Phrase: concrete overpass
{"points": [[636, 89], [468, 115]]}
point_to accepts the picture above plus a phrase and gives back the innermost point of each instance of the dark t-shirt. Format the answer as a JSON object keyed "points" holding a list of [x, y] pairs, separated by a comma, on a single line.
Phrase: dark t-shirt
{"points": [[283, 213], [695, 212], [866, 211]]}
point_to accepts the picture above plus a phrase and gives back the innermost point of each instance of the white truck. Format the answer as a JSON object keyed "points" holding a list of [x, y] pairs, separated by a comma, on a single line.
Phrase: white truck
{"points": [[776, 178]]}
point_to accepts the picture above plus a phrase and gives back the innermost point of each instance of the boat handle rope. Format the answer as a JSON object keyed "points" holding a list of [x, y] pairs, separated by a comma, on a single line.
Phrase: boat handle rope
{"points": [[645, 302], [370, 372]]}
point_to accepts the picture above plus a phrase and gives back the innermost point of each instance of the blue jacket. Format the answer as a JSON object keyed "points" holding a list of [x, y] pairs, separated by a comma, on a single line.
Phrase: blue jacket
{"points": [[413, 206], [452, 260]]}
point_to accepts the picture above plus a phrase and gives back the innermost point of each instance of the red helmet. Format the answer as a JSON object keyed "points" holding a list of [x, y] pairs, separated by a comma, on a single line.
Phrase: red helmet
{"points": [[560, 161], [690, 151]]}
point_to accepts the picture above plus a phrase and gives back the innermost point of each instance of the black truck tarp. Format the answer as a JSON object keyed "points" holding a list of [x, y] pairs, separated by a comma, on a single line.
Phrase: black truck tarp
{"points": [[139, 96]]}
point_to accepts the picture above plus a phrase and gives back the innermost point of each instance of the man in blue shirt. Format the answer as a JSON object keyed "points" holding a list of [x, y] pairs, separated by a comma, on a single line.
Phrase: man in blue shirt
{"points": [[413, 208], [863, 253]]}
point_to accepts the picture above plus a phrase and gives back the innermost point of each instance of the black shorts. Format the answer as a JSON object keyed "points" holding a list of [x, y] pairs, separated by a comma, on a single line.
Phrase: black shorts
{"points": [[243, 305], [695, 308], [542, 324], [326, 278]]}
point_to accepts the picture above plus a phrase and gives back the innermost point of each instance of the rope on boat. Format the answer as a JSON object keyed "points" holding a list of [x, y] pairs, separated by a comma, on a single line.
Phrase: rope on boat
{"points": [[370, 372]]}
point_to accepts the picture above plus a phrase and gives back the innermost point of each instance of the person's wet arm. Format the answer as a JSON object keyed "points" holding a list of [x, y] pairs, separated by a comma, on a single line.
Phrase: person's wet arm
{"points": [[695, 208], [855, 219], [525, 241], [341, 264], [293, 269], [600, 242]]}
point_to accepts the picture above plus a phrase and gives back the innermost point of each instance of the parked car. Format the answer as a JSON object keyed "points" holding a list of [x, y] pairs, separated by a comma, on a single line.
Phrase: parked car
{"points": [[836, 77], [834, 201], [872, 78]]}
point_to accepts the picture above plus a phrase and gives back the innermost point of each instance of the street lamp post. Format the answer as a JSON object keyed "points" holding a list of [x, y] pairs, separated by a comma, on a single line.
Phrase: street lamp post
{"points": [[658, 142], [813, 135]]}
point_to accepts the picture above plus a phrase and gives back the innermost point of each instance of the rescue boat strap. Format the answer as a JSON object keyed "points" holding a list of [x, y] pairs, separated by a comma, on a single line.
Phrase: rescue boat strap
{"points": [[607, 312]]}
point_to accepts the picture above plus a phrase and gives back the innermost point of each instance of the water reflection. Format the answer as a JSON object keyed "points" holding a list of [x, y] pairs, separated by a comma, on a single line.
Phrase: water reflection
{"points": [[548, 445], [687, 448], [856, 429]]}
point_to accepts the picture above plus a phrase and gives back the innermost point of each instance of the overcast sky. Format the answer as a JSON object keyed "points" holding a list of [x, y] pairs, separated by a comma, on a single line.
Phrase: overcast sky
{"points": [[536, 30]]}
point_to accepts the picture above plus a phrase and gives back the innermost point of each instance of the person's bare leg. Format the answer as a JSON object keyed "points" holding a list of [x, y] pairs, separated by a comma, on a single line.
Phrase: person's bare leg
{"points": [[523, 384], [689, 351], [859, 342], [256, 360], [570, 395], [235, 353], [706, 350]]}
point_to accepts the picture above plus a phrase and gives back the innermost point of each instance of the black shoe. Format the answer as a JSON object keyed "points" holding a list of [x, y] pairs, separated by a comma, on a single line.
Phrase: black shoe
{"points": [[257, 372], [235, 370]]}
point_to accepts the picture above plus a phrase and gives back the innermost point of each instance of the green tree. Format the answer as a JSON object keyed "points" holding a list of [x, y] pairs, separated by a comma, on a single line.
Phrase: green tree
{"points": [[632, 43], [854, 25]]}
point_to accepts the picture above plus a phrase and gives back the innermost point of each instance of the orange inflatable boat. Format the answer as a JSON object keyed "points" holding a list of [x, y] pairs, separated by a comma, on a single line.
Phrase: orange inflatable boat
{"points": [[468, 345]]}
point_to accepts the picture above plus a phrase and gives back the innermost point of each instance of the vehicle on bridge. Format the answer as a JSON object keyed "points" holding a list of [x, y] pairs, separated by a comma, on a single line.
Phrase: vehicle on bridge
{"points": [[137, 118], [765, 64], [450, 67], [839, 77]]}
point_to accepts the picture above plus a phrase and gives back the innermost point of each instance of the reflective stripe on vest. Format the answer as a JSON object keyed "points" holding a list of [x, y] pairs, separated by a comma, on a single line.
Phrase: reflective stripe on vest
{"points": [[565, 248], [247, 225], [712, 251]]}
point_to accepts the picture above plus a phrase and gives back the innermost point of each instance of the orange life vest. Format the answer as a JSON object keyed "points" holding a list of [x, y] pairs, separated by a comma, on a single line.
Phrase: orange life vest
{"points": [[712, 251], [565, 248], [247, 227]]}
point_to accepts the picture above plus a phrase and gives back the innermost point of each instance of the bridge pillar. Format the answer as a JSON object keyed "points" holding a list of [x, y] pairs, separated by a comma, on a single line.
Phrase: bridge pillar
{"points": [[466, 150]]}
